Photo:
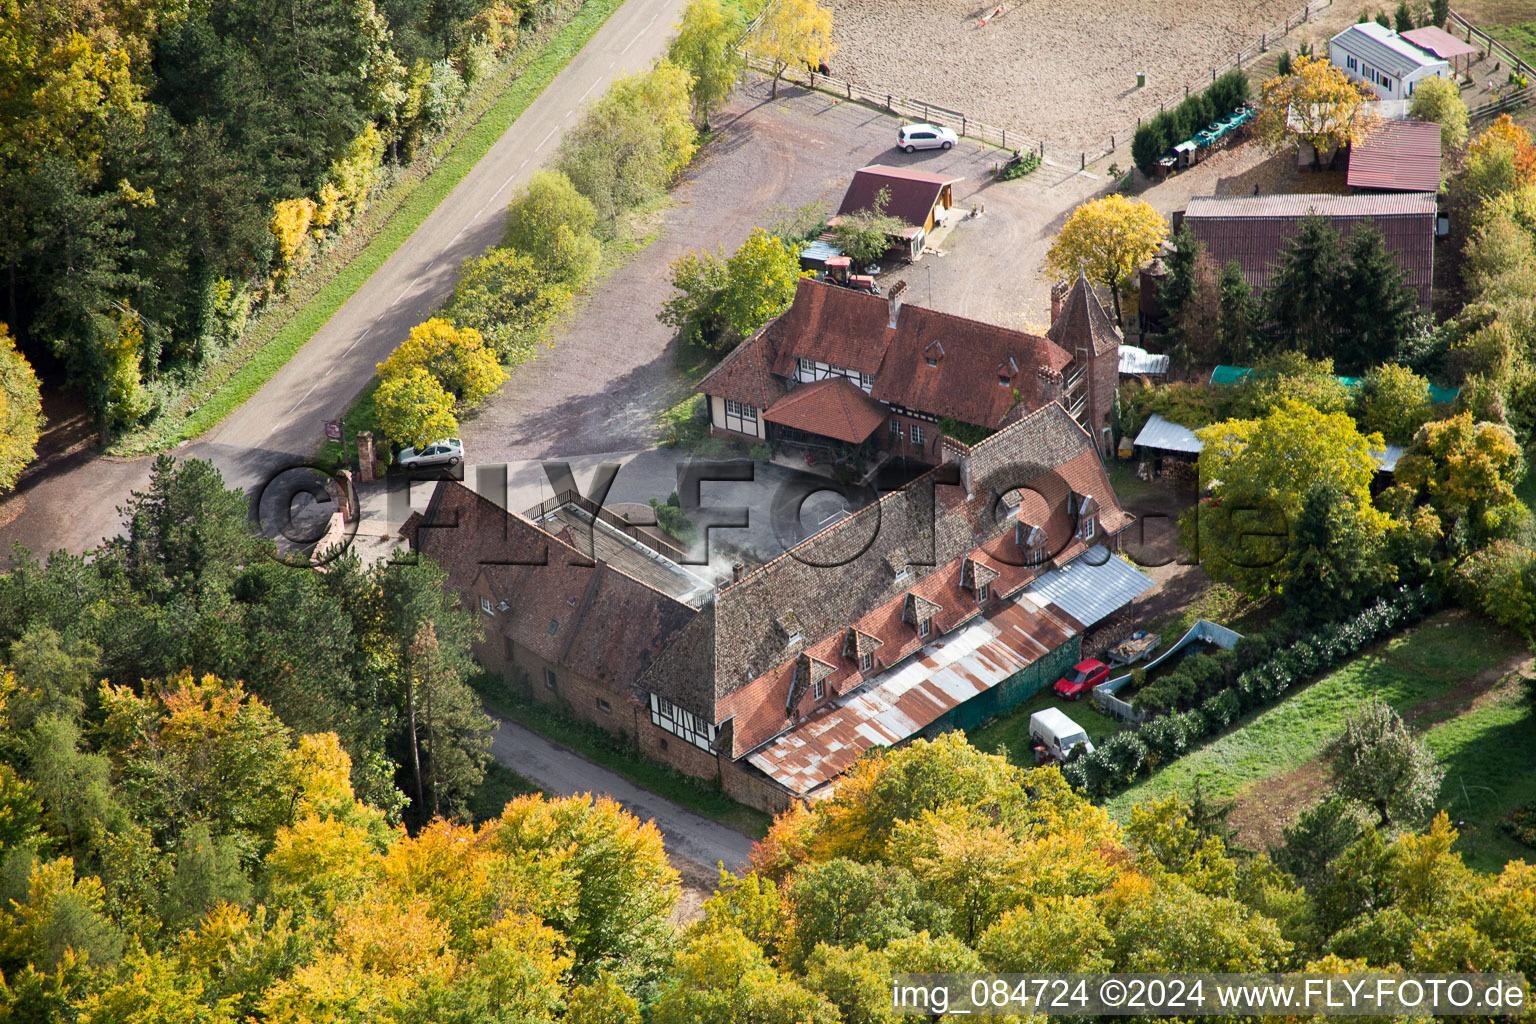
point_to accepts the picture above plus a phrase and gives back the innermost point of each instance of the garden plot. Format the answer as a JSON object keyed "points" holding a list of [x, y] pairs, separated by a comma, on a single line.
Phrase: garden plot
{"points": [[1059, 70]]}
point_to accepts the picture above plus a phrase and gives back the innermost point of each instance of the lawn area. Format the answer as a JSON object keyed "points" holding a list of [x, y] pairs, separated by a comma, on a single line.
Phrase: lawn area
{"points": [[1009, 734], [1508, 21], [1488, 755], [1134, 491], [1430, 674], [602, 748], [500, 787], [1526, 491]]}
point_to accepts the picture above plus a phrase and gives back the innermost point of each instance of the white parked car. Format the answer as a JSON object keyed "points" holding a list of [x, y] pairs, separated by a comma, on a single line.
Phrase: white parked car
{"points": [[447, 452], [913, 137]]}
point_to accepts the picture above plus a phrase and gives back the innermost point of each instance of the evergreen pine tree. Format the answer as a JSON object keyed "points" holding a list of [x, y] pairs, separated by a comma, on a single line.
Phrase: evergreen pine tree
{"points": [[1333, 563], [1404, 17], [1372, 306], [1180, 282], [1237, 326], [1301, 295]]}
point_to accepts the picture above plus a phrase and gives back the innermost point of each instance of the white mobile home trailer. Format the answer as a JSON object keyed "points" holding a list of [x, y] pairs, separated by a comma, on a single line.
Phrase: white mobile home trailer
{"points": [[1384, 60]]}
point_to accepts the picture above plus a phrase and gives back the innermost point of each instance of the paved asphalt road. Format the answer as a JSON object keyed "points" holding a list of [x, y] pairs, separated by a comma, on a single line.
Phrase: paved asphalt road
{"points": [[689, 837], [284, 421]]}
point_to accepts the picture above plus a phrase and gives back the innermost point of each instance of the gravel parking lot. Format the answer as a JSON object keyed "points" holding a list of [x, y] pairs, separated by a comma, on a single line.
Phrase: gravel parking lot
{"points": [[601, 385]]}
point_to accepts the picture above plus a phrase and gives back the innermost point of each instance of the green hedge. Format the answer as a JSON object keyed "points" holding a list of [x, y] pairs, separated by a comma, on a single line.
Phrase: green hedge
{"points": [[1171, 127], [1123, 757]]}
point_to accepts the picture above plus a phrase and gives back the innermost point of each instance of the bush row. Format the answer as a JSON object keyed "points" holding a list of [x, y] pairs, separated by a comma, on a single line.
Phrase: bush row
{"points": [[1126, 755], [1171, 127]]}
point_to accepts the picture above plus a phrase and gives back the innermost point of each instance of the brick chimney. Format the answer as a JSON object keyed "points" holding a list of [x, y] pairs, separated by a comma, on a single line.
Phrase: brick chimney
{"points": [[1051, 384], [894, 299], [1058, 292]]}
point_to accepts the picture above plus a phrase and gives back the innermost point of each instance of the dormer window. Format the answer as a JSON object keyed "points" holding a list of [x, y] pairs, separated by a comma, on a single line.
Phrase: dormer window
{"points": [[924, 627], [1088, 529], [982, 592], [932, 360], [486, 606], [933, 353], [866, 662], [818, 691], [1003, 380]]}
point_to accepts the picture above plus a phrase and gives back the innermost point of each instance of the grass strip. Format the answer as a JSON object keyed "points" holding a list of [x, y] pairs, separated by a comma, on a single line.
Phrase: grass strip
{"points": [[1427, 663], [602, 748], [408, 215]]}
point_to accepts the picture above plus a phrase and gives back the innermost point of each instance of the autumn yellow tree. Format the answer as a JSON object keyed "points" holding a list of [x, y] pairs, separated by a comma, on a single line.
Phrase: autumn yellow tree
{"points": [[21, 411], [792, 31], [1260, 472], [413, 409], [1317, 103], [456, 357], [1107, 239], [1466, 471]]}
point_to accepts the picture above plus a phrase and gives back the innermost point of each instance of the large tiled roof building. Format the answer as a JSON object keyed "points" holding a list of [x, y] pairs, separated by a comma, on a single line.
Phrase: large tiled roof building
{"points": [[897, 372], [923, 610]]}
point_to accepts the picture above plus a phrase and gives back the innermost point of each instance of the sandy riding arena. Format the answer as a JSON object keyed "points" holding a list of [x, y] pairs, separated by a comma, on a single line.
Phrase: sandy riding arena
{"points": [[1060, 70]]}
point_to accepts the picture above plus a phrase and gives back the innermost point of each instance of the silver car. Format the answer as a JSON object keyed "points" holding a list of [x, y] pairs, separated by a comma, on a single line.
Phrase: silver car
{"points": [[913, 137], [447, 452]]}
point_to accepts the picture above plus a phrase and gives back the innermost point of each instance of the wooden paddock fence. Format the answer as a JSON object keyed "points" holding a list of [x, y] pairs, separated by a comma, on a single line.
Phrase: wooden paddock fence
{"points": [[1496, 49], [1013, 138]]}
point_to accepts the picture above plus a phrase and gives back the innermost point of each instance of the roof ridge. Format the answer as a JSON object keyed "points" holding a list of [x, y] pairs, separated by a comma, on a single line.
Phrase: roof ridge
{"points": [[552, 539]]}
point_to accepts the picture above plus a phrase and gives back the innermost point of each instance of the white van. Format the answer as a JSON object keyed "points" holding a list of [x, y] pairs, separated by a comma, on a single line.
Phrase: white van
{"points": [[1054, 734]]}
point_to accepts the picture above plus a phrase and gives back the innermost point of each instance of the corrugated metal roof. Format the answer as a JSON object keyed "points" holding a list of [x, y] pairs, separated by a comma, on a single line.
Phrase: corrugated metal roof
{"points": [[1386, 459], [1399, 155], [1139, 360], [902, 701], [1407, 204], [1255, 230], [819, 251], [1439, 42], [1092, 587], [1165, 435], [1384, 49]]}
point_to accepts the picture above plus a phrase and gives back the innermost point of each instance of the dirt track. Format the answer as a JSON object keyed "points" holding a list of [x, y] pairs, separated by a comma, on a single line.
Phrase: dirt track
{"points": [[1061, 70]]}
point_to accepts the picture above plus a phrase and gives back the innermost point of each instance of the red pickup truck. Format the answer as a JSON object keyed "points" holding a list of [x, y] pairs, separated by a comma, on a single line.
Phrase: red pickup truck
{"points": [[1085, 675]]}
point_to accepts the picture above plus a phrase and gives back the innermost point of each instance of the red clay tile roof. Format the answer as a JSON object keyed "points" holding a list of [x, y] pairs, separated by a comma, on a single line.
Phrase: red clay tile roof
{"points": [[965, 384], [832, 737], [835, 408], [835, 325], [593, 619], [852, 330], [1403, 156], [1254, 230], [745, 375], [912, 193]]}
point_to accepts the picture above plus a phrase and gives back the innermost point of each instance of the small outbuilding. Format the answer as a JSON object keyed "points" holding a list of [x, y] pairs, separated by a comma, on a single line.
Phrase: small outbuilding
{"points": [[919, 200], [1390, 64]]}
